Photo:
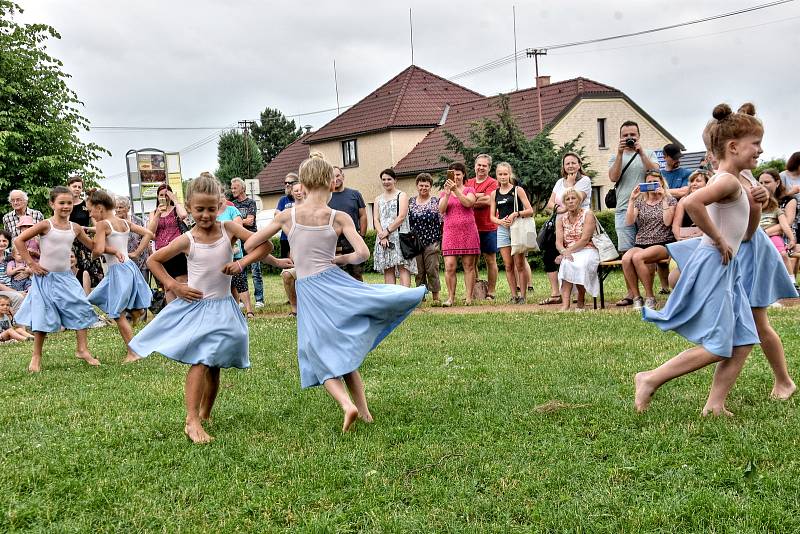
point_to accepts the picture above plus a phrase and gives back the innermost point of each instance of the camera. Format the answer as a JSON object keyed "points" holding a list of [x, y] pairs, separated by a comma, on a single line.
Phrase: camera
{"points": [[630, 142]]}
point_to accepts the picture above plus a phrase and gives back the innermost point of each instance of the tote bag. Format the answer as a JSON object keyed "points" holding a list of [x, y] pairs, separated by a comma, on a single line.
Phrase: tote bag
{"points": [[603, 243], [523, 232]]}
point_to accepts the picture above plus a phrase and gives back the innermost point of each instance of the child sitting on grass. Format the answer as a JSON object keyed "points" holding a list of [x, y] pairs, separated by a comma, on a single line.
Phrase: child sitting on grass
{"points": [[19, 272], [9, 331]]}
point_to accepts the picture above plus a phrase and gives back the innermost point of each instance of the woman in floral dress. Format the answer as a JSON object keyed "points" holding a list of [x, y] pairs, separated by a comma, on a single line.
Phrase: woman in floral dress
{"points": [[390, 218]]}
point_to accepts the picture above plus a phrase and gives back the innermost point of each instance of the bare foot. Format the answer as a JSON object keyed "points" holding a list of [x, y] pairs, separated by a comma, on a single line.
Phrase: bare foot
{"points": [[365, 416], [644, 392], [131, 357], [87, 357], [350, 415], [36, 364], [196, 433], [716, 411], [783, 392]]}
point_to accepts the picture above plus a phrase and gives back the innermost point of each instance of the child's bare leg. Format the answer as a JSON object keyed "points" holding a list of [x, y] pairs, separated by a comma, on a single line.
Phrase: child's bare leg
{"points": [[566, 295], [335, 389], [15, 334], [193, 394], [725, 376], [21, 330], [36, 360], [772, 347], [288, 287], [356, 387], [647, 382], [209, 393], [83, 348], [125, 329]]}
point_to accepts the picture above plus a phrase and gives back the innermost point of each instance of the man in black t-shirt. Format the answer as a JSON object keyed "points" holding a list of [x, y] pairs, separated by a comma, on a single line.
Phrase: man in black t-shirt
{"points": [[351, 202], [248, 209]]}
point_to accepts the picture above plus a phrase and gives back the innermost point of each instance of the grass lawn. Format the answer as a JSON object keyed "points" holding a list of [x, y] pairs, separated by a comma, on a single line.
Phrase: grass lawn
{"points": [[483, 422]]}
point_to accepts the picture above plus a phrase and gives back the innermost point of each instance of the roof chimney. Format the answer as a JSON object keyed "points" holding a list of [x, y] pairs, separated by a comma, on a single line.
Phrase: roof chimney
{"points": [[542, 81], [307, 128]]}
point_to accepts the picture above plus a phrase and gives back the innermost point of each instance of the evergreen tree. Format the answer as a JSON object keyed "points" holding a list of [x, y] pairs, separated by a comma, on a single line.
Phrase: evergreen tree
{"points": [[273, 133], [232, 157]]}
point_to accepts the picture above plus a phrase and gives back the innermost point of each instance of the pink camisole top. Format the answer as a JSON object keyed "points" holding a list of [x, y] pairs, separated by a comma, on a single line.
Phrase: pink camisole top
{"points": [[312, 247]]}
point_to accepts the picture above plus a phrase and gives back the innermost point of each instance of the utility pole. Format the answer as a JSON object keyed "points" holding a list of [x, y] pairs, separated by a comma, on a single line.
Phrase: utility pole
{"points": [[535, 53], [245, 126]]}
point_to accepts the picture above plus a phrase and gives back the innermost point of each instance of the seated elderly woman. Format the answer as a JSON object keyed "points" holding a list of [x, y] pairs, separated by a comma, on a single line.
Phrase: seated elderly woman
{"points": [[578, 258], [652, 209]]}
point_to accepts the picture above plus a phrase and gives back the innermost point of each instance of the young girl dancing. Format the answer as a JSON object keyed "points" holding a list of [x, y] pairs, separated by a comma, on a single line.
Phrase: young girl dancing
{"points": [[709, 306], [55, 298], [203, 327], [339, 320], [123, 288]]}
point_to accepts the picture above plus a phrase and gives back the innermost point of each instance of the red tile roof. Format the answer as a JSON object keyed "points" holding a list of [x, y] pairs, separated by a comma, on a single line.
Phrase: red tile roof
{"points": [[270, 179], [556, 98], [413, 98]]}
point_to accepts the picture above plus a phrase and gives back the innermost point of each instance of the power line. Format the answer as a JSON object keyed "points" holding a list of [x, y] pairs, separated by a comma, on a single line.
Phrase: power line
{"points": [[508, 59]]}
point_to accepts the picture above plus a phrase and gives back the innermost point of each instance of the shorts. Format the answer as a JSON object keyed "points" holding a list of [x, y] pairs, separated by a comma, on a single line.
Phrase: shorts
{"points": [[503, 237], [176, 266], [664, 244], [777, 240], [239, 282], [291, 272], [488, 242], [626, 234]]}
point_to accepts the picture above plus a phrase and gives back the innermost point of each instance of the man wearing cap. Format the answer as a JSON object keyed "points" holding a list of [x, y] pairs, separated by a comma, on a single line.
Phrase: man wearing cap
{"points": [[19, 204], [677, 177]]}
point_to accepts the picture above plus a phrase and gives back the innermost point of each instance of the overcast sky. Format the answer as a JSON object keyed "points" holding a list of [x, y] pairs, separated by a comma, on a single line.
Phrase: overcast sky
{"points": [[207, 63]]}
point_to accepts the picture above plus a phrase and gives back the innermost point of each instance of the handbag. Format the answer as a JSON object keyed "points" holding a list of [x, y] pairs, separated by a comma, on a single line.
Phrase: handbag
{"points": [[523, 232], [611, 196], [409, 244], [603, 243], [547, 235]]}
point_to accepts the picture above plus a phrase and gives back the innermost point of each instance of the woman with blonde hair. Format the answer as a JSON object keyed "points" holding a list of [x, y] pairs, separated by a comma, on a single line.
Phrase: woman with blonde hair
{"points": [[578, 258], [508, 203], [652, 209]]}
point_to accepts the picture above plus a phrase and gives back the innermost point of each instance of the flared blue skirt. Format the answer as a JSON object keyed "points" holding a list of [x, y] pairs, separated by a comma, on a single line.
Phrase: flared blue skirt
{"points": [[56, 300], [211, 332], [122, 288], [709, 306], [764, 276], [340, 320]]}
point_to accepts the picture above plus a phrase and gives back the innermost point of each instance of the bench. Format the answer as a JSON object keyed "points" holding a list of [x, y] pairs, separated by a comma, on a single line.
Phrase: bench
{"points": [[603, 271]]}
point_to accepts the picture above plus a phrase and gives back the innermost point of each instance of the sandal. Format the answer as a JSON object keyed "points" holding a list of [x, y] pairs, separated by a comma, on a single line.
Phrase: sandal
{"points": [[250, 315], [552, 299], [490, 297], [292, 314], [627, 301], [664, 291]]}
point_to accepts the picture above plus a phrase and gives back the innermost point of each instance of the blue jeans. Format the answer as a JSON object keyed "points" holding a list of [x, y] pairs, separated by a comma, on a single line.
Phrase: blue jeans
{"points": [[258, 282]]}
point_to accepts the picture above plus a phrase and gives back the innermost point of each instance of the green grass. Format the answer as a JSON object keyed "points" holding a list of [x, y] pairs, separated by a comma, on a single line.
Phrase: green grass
{"points": [[458, 444]]}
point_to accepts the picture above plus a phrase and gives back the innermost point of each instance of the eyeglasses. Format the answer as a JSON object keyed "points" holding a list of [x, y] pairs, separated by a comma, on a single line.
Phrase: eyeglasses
{"points": [[289, 183]]}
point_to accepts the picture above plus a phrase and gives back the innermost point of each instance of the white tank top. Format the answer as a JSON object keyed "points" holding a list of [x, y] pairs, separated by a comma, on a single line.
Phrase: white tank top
{"points": [[731, 218], [118, 240], [204, 264], [312, 247], [55, 247]]}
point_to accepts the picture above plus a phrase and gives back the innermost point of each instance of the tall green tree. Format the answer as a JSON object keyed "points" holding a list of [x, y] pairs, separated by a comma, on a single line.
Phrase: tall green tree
{"points": [[536, 161], [274, 132], [237, 156], [40, 116], [779, 164]]}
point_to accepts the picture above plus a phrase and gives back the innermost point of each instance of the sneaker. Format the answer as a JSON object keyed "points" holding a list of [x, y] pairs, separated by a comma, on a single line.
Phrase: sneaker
{"points": [[259, 304], [776, 304], [650, 303], [638, 303], [99, 324]]}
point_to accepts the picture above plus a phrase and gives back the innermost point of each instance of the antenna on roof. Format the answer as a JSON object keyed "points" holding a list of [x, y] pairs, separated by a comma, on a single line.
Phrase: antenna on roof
{"points": [[516, 72], [336, 84], [411, 28]]}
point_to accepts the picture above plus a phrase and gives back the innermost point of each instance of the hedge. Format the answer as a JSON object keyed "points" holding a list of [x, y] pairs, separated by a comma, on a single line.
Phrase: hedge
{"points": [[605, 217]]}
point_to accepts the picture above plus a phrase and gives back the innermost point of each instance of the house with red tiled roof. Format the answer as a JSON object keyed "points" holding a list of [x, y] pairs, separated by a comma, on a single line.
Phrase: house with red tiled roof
{"points": [[373, 134], [401, 125]]}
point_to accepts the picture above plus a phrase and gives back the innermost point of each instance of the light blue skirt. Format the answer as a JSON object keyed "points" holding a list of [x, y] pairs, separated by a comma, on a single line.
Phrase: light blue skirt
{"points": [[56, 300], [764, 276], [709, 306], [340, 320], [211, 332], [122, 288]]}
